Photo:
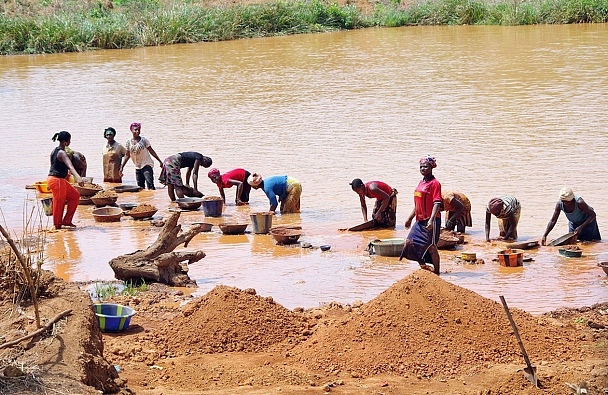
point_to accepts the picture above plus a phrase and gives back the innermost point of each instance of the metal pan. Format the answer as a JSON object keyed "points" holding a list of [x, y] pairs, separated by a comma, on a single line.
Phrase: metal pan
{"points": [[569, 238]]}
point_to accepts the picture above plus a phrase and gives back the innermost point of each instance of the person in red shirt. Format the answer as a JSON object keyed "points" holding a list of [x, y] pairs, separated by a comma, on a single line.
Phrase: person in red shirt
{"points": [[236, 177], [385, 209], [421, 242]]}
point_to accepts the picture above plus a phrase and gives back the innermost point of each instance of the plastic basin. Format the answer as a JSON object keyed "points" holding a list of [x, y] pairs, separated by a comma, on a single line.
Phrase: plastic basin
{"points": [[213, 207], [113, 317], [388, 247], [511, 257]]}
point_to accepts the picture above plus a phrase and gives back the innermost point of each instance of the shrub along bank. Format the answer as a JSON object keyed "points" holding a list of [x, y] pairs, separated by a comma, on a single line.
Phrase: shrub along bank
{"points": [[81, 26]]}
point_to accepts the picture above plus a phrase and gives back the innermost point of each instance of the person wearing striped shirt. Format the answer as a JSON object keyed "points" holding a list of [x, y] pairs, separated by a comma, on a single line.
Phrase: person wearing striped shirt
{"points": [[507, 209]]}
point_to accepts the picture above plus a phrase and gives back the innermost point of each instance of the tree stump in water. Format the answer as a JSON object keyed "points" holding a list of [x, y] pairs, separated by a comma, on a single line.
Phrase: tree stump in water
{"points": [[158, 262]]}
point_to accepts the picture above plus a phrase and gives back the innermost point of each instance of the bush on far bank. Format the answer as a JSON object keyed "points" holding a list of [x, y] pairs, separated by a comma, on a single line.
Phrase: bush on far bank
{"points": [[73, 26]]}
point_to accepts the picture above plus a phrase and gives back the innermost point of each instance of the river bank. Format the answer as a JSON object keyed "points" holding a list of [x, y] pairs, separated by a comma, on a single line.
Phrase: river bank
{"points": [[29, 28], [421, 335]]}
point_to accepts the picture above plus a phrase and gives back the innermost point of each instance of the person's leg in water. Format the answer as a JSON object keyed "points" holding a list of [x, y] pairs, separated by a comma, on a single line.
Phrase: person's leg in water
{"points": [[149, 176], [139, 176]]}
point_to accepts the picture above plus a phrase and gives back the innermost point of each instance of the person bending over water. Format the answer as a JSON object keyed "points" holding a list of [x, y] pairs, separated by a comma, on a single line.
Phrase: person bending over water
{"points": [[385, 208], [581, 217]]}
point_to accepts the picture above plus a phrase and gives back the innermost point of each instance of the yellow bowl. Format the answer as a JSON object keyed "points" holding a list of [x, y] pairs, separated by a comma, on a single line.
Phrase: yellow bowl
{"points": [[42, 187]]}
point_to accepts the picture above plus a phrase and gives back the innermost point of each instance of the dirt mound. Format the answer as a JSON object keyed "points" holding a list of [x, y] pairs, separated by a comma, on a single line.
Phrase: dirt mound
{"points": [[76, 339], [426, 326], [230, 319]]}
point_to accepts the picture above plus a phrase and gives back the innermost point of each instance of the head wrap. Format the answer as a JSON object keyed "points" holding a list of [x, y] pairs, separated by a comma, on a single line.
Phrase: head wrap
{"points": [[495, 205], [566, 194], [430, 160], [256, 179], [213, 173], [356, 183], [135, 125], [109, 131], [62, 136]]}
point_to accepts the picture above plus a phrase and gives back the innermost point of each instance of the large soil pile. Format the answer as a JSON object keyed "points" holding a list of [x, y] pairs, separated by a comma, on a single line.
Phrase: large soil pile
{"points": [[423, 335], [229, 319], [429, 327]]}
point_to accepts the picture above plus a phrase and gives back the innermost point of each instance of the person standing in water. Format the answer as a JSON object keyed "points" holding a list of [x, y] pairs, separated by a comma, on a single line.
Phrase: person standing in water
{"points": [[581, 217], [385, 208], [421, 242], [57, 182], [139, 149], [113, 152]]}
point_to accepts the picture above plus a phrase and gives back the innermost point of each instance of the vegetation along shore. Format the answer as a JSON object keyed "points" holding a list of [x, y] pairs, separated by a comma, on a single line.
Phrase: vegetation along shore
{"points": [[38, 26]]}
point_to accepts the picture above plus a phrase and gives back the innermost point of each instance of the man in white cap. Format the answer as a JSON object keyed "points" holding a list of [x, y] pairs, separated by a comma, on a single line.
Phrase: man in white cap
{"points": [[581, 217]]}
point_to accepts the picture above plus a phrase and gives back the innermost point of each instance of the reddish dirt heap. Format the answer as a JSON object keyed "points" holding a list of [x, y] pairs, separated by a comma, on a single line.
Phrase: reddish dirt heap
{"points": [[229, 319], [429, 327]]}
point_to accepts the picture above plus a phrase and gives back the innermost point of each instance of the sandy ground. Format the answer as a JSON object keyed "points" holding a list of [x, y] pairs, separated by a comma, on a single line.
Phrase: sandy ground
{"points": [[423, 335]]}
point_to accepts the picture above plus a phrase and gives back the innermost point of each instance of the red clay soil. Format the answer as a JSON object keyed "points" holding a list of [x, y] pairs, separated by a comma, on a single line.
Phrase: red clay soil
{"points": [[423, 335], [69, 358]]}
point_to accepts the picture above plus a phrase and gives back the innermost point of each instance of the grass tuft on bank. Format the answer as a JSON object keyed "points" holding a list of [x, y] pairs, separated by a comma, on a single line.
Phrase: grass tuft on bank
{"points": [[72, 26]]}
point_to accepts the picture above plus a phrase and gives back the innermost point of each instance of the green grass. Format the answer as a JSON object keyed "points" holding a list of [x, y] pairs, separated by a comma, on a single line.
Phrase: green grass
{"points": [[80, 26], [104, 291]]}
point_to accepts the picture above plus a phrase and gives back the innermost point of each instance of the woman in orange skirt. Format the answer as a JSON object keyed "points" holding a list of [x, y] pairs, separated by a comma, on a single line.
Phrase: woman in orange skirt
{"points": [[57, 182]]}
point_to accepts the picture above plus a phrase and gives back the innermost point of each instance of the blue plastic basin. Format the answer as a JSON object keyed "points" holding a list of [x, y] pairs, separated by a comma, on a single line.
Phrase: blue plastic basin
{"points": [[113, 317]]}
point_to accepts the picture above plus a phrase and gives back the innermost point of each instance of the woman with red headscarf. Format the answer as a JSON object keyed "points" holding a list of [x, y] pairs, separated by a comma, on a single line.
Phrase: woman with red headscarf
{"points": [[507, 209], [421, 242], [236, 177]]}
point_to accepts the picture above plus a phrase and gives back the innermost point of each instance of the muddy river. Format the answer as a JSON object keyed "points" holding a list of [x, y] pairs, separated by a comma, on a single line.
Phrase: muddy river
{"points": [[505, 110]]}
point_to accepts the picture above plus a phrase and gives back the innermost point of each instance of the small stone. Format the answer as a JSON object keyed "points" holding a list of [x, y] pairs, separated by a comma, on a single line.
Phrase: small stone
{"points": [[13, 371]]}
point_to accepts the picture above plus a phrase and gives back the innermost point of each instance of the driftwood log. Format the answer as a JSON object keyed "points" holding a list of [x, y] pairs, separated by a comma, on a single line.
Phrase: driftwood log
{"points": [[158, 262]]}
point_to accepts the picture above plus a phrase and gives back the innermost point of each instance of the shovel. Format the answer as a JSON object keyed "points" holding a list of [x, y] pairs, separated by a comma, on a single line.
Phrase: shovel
{"points": [[529, 370]]}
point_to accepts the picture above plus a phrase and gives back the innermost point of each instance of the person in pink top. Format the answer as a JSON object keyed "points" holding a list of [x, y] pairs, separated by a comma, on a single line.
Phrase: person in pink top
{"points": [[237, 177], [385, 209], [421, 242]]}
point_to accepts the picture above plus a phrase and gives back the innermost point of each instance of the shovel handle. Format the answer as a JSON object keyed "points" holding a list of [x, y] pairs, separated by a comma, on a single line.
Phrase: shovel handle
{"points": [[521, 345]]}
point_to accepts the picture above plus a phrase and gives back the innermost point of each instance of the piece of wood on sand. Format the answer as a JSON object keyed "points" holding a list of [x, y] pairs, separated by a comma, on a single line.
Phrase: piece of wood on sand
{"points": [[158, 262]]}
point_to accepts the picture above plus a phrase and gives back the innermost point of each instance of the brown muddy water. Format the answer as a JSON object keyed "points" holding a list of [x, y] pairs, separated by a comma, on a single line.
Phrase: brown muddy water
{"points": [[517, 110]]}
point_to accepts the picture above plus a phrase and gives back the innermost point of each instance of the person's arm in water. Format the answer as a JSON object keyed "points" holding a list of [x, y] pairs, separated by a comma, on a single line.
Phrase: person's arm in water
{"points": [[551, 223], [590, 215], [239, 190], [221, 190], [373, 187], [488, 220], [363, 207], [449, 224], [62, 156]]}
